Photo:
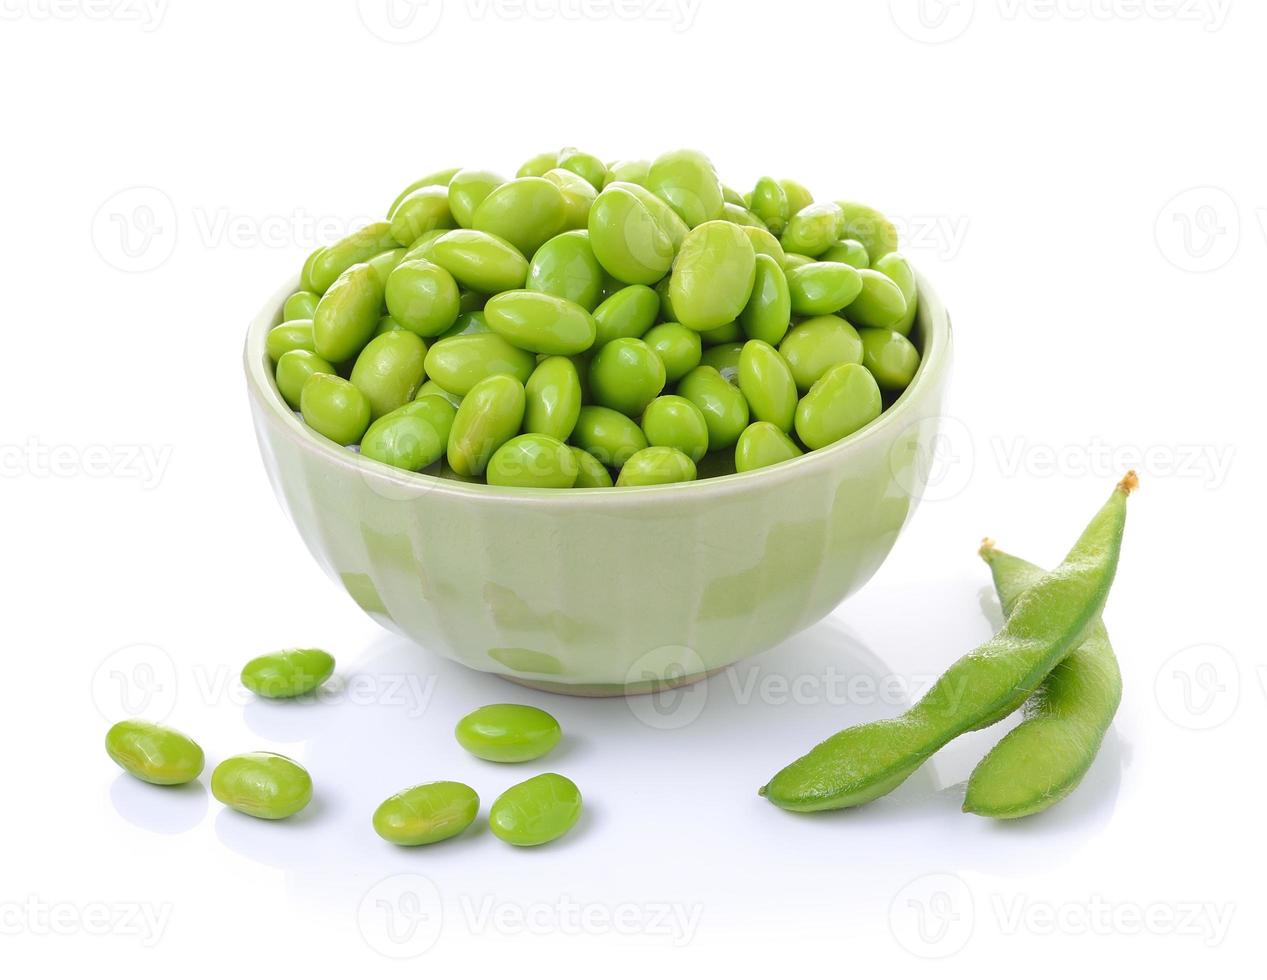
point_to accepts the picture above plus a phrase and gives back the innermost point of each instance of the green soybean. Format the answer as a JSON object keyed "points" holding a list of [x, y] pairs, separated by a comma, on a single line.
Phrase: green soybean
{"points": [[536, 811], [262, 784], [769, 311], [539, 322], [1043, 759], [725, 358], [154, 753], [727, 333], [294, 368], [538, 165], [348, 313], [421, 211], [334, 408], [687, 181], [673, 421], [763, 444], [869, 226], [769, 203], [584, 165], [508, 732], [526, 211], [590, 474], [287, 673], [328, 264], [457, 364], [629, 239], [890, 357], [431, 388], [1047, 623], [812, 230], [440, 178], [817, 344], [300, 305], [849, 251], [479, 261], [763, 243], [426, 814], [553, 393], [533, 460], [656, 465], [565, 266], [798, 195], [467, 190], [628, 312], [679, 348], [818, 288], [841, 402], [422, 297], [879, 302], [713, 276], [625, 375], [289, 336], [899, 270], [413, 436], [722, 404], [306, 272], [389, 370], [767, 384], [607, 435], [628, 172], [578, 196], [490, 415]]}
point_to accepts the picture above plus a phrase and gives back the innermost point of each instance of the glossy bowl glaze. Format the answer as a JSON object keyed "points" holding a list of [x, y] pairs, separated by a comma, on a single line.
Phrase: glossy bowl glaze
{"points": [[605, 591]]}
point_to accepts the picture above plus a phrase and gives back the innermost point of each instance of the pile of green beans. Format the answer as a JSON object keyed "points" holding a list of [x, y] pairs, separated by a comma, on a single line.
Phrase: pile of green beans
{"points": [[588, 325]]}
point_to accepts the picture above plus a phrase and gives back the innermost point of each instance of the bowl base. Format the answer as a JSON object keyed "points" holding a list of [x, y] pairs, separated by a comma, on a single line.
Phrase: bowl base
{"points": [[612, 690]]}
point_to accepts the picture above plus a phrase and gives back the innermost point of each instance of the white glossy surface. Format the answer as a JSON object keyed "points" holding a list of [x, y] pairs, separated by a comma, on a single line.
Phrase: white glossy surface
{"points": [[1040, 171]]}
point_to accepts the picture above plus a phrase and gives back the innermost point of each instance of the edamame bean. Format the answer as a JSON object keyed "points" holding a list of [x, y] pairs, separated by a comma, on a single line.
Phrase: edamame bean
{"points": [[673, 421], [421, 211], [508, 732], [467, 323], [553, 394], [467, 190], [767, 384], [479, 261], [490, 415], [656, 465], [890, 357], [849, 251], [862, 763], [538, 165], [334, 408], [413, 436], [300, 305], [869, 226], [294, 368], [727, 333], [591, 474], [389, 370], [539, 322], [287, 673], [628, 172], [769, 203], [330, 263], [625, 375], [440, 178], [536, 811], [769, 311], [1043, 759], [818, 288], [687, 181], [817, 344], [426, 814], [841, 402], [422, 297], [457, 364], [678, 348], [722, 404], [285, 337], [305, 273], [763, 243], [348, 313], [608, 436], [431, 388], [628, 312], [628, 238], [565, 266], [813, 229], [741, 216], [725, 358], [262, 784], [384, 263], [533, 460], [526, 211], [900, 271], [584, 165], [713, 276], [153, 753], [578, 197], [879, 303], [798, 196], [763, 444]]}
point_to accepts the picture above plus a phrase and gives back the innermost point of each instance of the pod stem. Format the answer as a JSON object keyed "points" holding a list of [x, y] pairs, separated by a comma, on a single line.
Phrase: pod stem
{"points": [[986, 550], [1128, 483]]}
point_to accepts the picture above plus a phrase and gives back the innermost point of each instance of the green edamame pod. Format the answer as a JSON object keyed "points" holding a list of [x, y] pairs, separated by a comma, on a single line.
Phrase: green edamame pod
{"points": [[490, 415], [1043, 759], [154, 753], [1048, 621], [287, 673]]}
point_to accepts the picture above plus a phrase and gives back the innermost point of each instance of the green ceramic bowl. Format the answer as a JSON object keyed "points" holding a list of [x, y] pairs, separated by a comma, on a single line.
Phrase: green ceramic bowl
{"points": [[605, 591]]}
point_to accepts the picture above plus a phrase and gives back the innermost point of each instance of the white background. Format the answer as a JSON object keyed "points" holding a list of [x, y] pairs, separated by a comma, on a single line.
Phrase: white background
{"points": [[1083, 182]]}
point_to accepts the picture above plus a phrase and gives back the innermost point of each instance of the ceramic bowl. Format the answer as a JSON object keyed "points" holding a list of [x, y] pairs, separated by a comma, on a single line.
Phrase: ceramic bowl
{"points": [[605, 591]]}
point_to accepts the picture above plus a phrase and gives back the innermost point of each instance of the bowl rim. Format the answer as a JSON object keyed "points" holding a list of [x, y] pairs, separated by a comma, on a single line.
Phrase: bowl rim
{"points": [[932, 318]]}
